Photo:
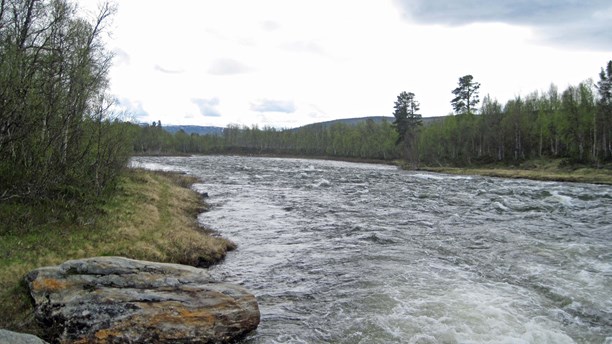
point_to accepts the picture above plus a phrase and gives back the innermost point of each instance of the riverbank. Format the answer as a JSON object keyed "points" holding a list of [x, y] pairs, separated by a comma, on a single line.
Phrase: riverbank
{"points": [[544, 170], [151, 217], [305, 157], [577, 175]]}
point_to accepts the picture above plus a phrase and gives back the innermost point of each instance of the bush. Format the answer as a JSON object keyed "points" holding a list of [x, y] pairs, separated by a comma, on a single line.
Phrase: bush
{"points": [[59, 139]]}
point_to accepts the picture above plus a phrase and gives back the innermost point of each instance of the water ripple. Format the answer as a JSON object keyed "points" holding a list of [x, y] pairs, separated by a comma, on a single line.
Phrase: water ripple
{"points": [[358, 253]]}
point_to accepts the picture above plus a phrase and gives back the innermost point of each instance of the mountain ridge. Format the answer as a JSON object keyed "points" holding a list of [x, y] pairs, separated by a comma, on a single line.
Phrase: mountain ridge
{"points": [[213, 130]]}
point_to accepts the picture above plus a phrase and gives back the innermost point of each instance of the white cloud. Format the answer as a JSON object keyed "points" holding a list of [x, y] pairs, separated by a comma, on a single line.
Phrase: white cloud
{"points": [[345, 58], [270, 25], [303, 47], [208, 107], [133, 108], [226, 66], [268, 105], [167, 70]]}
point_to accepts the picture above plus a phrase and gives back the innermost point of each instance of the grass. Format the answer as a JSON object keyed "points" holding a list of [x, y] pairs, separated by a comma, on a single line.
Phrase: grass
{"points": [[546, 170], [151, 217]]}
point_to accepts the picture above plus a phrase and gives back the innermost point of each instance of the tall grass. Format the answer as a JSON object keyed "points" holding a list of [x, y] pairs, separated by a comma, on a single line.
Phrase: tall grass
{"points": [[152, 216], [547, 170]]}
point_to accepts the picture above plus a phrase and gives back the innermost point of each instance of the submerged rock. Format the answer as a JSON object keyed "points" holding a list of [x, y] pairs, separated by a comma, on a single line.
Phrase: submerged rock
{"points": [[115, 299]]}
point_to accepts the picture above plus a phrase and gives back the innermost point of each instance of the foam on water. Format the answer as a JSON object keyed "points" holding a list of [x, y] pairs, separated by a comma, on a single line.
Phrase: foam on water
{"points": [[357, 253], [156, 166], [563, 199]]}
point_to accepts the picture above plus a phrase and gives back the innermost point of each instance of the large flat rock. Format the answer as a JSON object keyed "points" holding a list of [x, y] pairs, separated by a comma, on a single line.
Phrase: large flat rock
{"points": [[10, 337], [120, 300]]}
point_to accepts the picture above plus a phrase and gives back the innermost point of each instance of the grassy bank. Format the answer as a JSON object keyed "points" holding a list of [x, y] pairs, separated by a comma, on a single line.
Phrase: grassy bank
{"points": [[536, 170], [151, 217]]}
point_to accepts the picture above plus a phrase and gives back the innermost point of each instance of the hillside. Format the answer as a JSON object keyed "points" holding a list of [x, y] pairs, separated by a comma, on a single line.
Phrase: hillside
{"points": [[210, 130], [194, 129], [358, 120]]}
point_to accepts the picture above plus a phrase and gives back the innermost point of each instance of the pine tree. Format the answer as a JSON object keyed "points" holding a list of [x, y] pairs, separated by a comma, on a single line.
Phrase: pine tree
{"points": [[466, 95]]}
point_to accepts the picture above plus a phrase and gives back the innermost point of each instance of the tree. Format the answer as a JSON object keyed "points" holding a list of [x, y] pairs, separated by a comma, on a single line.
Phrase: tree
{"points": [[466, 95], [58, 135], [604, 114], [493, 136], [407, 122]]}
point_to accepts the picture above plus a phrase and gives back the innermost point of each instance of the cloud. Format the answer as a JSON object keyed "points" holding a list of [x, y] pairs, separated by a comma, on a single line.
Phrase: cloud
{"points": [[270, 25], [268, 105], [303, 47], [585, 23], [225, 66], [133, 108], [121, 57], [167, 70], [207, 106]]}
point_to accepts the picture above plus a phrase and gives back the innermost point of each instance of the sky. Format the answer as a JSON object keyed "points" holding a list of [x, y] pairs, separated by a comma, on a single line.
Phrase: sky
{"points": [[286, 63]]}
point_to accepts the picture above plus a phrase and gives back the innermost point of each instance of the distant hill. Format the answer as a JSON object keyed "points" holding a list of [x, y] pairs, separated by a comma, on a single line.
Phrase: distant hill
{"points": [[347, 121], [194, 129], [358, 120], [209, 130]]}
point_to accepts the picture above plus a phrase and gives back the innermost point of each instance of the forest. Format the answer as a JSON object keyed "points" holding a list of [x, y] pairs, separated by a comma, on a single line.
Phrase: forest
{"points": [[61, 139], [574, 124], [366, 140]]}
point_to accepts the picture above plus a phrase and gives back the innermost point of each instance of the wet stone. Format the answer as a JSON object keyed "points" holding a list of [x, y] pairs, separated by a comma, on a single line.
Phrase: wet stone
{"points": [[10, 337], [115, 299]]}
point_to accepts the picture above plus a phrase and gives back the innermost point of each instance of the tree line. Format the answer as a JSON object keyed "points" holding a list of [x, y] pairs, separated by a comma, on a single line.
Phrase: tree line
{"points": [[574, 124], [59, 138], [366, 140]]}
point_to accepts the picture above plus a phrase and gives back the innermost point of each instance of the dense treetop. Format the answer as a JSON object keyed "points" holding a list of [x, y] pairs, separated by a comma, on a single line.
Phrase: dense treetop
{"points": [[57, 134]]}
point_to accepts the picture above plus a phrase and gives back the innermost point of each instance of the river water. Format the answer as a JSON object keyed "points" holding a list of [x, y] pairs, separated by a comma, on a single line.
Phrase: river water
{"points": [[340, 252]]}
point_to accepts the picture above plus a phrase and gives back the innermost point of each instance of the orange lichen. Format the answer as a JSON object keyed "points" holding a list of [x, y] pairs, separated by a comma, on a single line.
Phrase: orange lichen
{"points": [[175, 313], [196, 315], [102, 336], [48, 284]]}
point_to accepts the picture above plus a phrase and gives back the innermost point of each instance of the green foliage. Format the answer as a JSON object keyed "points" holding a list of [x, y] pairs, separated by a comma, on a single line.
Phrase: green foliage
{"points": [[466, 95], [575, 125], [152, 140], [407, 120], [407, 123], [151, 216], [59, 139], [603, 117], [367, 140]]}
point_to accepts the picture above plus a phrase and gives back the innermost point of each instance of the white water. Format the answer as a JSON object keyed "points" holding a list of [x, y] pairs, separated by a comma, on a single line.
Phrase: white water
{"points": [[358, 253]]}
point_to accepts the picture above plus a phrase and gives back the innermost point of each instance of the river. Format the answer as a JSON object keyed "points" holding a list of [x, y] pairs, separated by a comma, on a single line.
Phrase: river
{"points": [[339, 252]]}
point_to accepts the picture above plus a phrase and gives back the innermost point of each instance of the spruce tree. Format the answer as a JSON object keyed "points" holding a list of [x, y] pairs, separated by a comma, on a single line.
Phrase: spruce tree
{"points": [[407, 122]]}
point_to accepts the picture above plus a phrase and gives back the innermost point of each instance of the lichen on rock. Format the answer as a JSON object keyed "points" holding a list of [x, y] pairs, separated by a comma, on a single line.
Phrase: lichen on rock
{"points": [[115, 299]]}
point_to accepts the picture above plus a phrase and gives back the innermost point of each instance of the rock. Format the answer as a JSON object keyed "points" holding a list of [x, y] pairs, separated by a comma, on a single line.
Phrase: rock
{"points": [[115, 299], [10, 337]]}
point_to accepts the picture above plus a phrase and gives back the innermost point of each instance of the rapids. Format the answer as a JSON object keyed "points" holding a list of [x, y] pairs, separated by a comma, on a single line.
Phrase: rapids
{"points": [[359, 253]]}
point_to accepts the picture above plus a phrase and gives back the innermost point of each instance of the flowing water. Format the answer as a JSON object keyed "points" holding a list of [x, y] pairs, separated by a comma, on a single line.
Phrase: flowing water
{"points": [[358, 253]]}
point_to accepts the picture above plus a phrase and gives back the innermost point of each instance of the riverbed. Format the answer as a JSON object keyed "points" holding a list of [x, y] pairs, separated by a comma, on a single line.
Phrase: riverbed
{"points": [[359, 253]]}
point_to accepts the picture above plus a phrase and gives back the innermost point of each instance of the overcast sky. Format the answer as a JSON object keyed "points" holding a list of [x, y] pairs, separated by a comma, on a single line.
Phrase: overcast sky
{"points": [[289, 63]]}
